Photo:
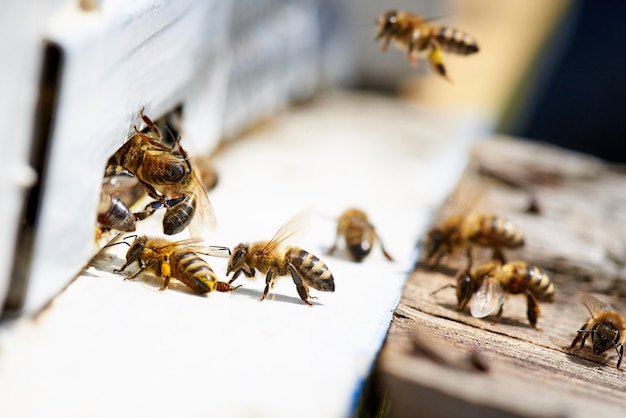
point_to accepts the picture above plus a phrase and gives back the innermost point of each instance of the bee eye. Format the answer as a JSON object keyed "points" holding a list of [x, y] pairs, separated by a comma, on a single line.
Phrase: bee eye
{"points": [[240, 253]]}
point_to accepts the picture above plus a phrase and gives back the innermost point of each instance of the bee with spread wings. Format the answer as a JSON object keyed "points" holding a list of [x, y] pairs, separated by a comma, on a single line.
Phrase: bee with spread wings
{"points": [[274, 260]]}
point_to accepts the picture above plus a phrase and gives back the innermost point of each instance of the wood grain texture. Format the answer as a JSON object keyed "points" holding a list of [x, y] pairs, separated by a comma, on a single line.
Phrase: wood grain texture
{"points": [[577, 236]]}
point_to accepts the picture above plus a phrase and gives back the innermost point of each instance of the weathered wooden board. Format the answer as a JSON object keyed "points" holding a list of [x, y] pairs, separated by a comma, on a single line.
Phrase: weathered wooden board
{"points": [[572, 211]]}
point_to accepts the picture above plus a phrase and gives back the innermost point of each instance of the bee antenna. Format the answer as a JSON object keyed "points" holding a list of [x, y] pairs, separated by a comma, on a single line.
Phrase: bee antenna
{"points": [[123, 241], [222, 248], [441, 288], [116, 243]]}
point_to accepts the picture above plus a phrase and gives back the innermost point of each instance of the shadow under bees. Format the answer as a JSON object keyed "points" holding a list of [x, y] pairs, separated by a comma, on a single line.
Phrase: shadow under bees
{"points": [[586, 358], [273, 297], [510, 321]]}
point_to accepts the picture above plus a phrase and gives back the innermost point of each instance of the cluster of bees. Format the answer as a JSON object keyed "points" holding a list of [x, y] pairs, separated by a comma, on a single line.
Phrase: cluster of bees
{"points": [[164, 172], [484, 287]]}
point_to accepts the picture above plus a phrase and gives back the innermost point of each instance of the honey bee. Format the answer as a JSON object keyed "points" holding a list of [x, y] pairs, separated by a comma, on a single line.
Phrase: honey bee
{"points": [[606, 327], [482, 229], [360, 235], [274, 260], [179, 260], [418, 36], [487, 284], [167, 176]]}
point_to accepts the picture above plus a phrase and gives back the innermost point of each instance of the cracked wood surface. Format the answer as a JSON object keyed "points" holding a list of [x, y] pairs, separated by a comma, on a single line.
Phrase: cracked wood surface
{"points": [[576, 232]]}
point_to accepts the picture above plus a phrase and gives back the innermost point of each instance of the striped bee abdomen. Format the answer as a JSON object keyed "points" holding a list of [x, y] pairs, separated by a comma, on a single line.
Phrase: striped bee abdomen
{"points": [[455, 41], [497, 231], [523, 276], [313, 271], [193, 271]]}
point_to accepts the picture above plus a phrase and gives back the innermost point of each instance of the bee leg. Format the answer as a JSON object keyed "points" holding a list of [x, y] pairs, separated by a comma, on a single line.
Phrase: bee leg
{"points": [[332, 249], [159, 204], [225, 287], [166, 272], [499, 315], [303, 291], [620, 353], [499, 255], [268, 282], [583, 333], [142, 267], [237, 273], [385, 44], [382, 247], [435, 57], [532, 310]]}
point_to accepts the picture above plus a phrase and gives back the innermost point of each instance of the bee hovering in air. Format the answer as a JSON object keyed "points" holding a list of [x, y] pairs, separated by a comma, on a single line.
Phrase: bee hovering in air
{"points": [[481, 229], [179, 260], [274, 260], [167, 176], [487, 285], [418, 36], [360, 235], [606, 327]]}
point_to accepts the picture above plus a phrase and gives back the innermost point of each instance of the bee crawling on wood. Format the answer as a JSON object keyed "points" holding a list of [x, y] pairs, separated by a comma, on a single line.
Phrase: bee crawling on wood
{"points": [[481, 229], [487, 285], [360, 235], [418, 36], [274, 260], [606, 326], [176, 259]]}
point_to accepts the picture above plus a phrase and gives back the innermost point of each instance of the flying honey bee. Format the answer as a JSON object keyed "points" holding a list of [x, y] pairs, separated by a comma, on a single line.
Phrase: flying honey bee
{"points": [[360, 235], [275, 260], [487, 285], [179, 260], [481, 229], [167, 176], [418, 36], [606, 327]]}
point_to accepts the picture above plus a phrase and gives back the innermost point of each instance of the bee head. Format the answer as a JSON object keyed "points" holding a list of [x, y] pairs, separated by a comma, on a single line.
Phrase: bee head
{"points": [[136, 249], [603, 338], [237, 259], [387, 24]]}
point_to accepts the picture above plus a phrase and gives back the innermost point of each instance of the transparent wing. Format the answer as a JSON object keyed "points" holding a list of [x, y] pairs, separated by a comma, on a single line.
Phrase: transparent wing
{"points": [[488, 298], [193, 244], [294, 226], [593, 304], [204, 218]]}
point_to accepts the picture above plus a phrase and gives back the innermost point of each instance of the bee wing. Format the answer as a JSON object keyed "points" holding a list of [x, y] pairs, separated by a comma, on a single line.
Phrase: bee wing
{"points": [[193, 244], [488, 298], [212, 250], [204, 218], [189, 242], [294, 226], [593, 304]]}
